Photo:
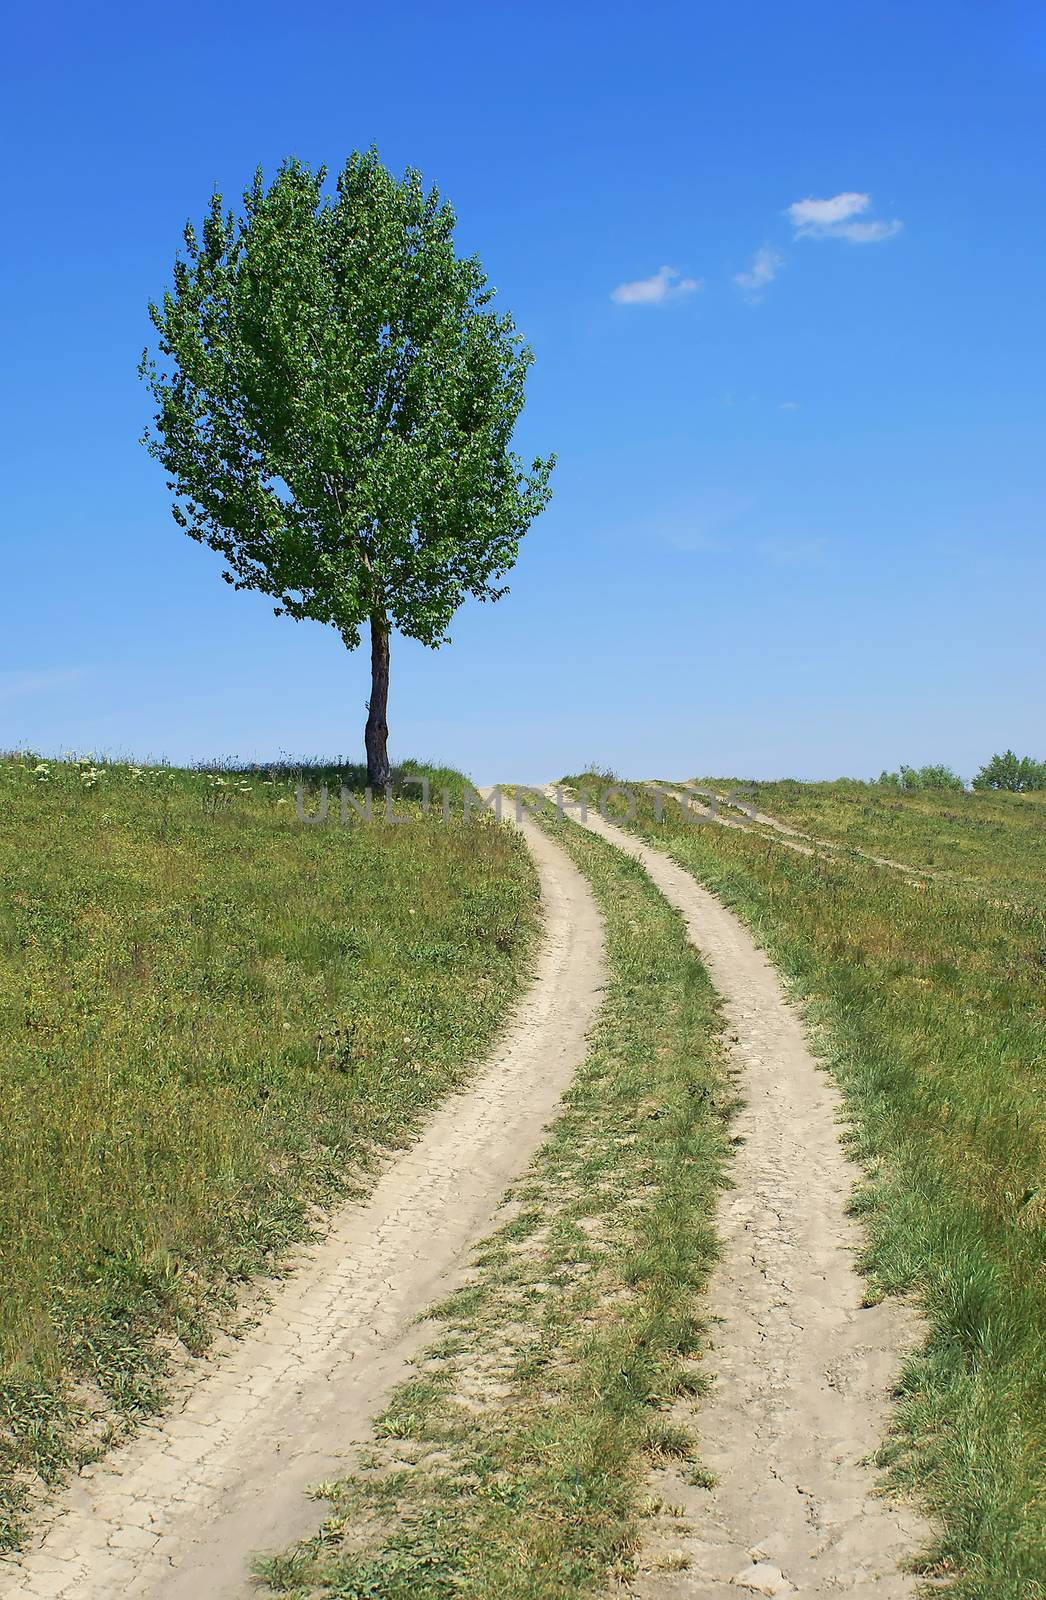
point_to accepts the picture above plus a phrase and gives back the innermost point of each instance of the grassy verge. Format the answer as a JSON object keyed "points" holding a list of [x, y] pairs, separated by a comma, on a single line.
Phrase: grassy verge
{"points": [[511, 1466], [212, 1019], [932, 1005]]}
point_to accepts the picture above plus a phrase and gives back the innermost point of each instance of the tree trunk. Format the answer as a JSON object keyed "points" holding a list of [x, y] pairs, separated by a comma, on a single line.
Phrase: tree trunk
{"points": [[376, 736]]}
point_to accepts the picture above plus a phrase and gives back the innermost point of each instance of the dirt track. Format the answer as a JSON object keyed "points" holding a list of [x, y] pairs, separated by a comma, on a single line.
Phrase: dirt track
{"points": [[784, 833], [803, 1372], [178, 1513]]}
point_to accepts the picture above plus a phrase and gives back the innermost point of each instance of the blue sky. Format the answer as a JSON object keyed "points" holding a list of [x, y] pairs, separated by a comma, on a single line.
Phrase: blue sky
{"points": [[798, 519]]}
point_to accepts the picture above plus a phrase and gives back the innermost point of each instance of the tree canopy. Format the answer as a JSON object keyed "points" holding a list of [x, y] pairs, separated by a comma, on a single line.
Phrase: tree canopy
{"points": [[336, 398]]}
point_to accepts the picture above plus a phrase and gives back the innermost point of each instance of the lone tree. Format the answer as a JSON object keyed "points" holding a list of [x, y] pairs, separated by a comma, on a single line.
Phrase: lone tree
{"points": [[335, 404]]}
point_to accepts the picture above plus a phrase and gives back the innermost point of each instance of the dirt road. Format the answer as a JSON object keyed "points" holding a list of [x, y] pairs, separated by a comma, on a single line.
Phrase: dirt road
{"points": [[178, 1513], [803, 1371]]}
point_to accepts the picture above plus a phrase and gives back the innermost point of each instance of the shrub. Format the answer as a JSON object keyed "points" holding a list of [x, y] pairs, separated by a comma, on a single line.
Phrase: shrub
{"points": [[911, 779], [1019, 774]]}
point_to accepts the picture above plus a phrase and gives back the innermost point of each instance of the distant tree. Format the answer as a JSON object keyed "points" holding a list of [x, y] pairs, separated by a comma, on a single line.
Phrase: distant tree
{"points": [[335, 406], [1019, 774], [912, 779]]}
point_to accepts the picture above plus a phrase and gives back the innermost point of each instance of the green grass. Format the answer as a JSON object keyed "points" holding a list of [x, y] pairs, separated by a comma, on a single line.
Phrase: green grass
{"points": [[931, 1002], [212, 1019], [995, 839], [511, 1467]]}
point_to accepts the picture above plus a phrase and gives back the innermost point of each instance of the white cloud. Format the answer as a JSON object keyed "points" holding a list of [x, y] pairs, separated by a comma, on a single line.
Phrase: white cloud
{"points": [[814, 215], [666, 284], [789, 405], [834, 218], [766, 264], [867, 232]]}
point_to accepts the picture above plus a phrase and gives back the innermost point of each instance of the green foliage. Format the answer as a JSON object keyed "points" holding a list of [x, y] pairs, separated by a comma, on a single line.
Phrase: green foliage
{"points": [[211, 1018], [335, 403], [1017, 774], [911, 779], [337, 409]]}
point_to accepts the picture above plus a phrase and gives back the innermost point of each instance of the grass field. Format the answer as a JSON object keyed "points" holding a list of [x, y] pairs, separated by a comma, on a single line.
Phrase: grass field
{"points": [[212, 1018], [930, 1000], [512, 1467], [996, 840]]}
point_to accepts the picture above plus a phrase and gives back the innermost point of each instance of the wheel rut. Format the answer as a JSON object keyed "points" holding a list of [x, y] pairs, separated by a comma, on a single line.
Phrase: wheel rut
{"points": [[803, 1370], [179, 1512]]}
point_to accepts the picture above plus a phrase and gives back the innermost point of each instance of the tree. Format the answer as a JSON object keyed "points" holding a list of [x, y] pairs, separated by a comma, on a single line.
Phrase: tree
{"points": [[335, 409], [1019, 774]]}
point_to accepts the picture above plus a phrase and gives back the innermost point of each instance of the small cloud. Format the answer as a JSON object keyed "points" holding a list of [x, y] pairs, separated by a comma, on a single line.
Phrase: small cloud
{"points": [[766, 264], [811, 215], [666, 284], [789, 405], [867, 232], [834, 218]]}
